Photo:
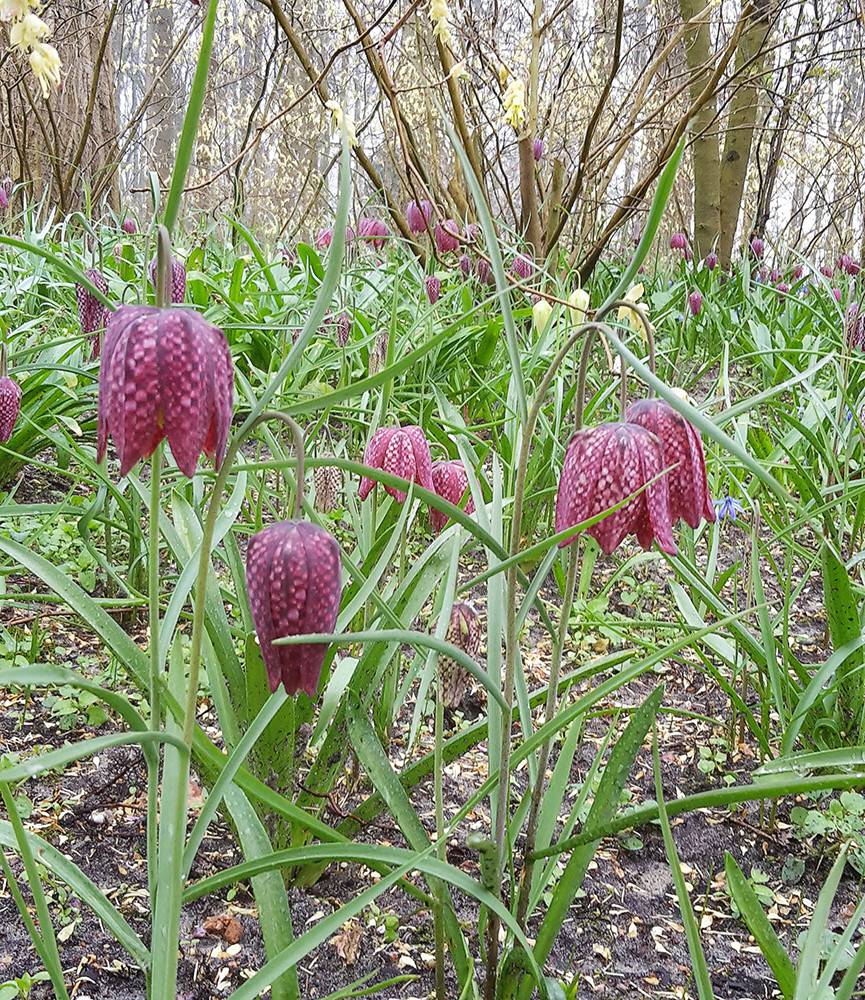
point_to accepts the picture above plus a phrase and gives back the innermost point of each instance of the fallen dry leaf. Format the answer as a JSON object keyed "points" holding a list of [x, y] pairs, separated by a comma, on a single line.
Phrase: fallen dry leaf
{"points": [[347, 942], [225, 926]]}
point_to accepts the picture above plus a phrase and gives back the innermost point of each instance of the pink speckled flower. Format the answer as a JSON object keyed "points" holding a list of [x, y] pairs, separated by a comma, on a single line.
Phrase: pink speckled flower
{"points": [[797, 272], [450, 482], [538, 150], [401, 451], [466, 265], [373, 231], [294, 585], [473, 232], [10, 406], [782, 287], [836, 294], [340, 327], [774, 276], [695, 303], [91, 313], [464, 632], [323, 239], [418, 215], [678, 241], [433, 288], [165, 373], [522, 267], [484, 272], [827, 270], [687, 485], [447, 236], [854, 327], [177, 284], [602, 466], [129, 226], [711, 261], [848, 264], [758, 247], [4, 200]]}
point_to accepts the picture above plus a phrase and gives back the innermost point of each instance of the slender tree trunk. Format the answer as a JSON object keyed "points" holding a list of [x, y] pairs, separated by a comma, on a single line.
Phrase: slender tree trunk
{"points": [[704, 131], [740, 130]]}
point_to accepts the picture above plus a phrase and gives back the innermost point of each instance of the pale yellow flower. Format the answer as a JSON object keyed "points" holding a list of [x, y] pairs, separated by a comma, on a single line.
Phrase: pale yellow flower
{"points": [[27, 31], [541, 312], [631, 316], [504, 74], [459, 71], [45, 63], [578, 301], [342, 120], [439, 14], [515, 103], [12, 9]]}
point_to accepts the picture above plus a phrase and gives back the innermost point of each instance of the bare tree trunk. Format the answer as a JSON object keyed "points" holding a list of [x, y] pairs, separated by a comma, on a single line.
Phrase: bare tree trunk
{"points": [[704, 130], [740, 131]]}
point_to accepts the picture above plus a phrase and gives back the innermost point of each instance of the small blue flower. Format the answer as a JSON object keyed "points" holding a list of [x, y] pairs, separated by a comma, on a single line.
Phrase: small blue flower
{"points": [[848, 416], [727, 507]]}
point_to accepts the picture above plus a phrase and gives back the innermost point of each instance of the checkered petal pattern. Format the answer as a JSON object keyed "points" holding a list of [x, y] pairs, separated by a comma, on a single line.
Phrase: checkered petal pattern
{"points": [[10, 406], [450, 482], [177, 289], [294, 586], [464, 632], [91, 313], [401, 451]]}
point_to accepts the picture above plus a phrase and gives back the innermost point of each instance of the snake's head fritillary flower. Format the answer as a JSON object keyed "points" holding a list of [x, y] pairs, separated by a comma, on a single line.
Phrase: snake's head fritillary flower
{"points": [[466, 265], [854, 327], [401, 451], [678, 241], [464, 632], [340, 328], [6, 185], [687, 486], [418, 215], [849, 264], [294, 584], [374, 231], [129, 226], [827, 270], [4, 199], [695, 303], [446, 236], [782, 287], [604, 465], [484, 271], [797, 272], [10, 406], [473, 232], [836, 294], [711, 261], [541, 313], [578, 305], [450, 482], [774, 276], [522, 267], [328, 488], [763, 275], [177, 281], [758, 247], [323, 239], [165, 373], [538, 150], [92, 314], [433, 288], [378, 353]]}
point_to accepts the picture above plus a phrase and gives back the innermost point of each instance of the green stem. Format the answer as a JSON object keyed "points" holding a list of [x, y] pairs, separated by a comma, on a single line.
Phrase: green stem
{"points": [[155, 664], [441, 852]]}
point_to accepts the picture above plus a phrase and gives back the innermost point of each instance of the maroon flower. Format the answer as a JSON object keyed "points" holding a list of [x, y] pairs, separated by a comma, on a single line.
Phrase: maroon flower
{"points": [[464, 632], [450, 482], [602, 466], [758, 247], [177, 283], [129, 226], [836, 294], [4, 199], [328, 488], [433, 288], [827, 270], [473, 232], [854, 327], [522, 267], [538, 149], [373, 231], [294, 586], [466, 265], [92, 314], [340, 328], [782, 287], [447, 236], [323, 239], [418, 215], [797, 272], [401, 451], [711, 260], [849, 264], [484, 272], [164, 373], [695, 303], [687, 486], [774, 276], [678, 241], [10, 406]]}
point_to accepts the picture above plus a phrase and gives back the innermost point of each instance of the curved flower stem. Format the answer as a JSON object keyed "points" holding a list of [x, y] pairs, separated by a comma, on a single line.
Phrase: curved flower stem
{"points": [[155, 663], [163, 267]]}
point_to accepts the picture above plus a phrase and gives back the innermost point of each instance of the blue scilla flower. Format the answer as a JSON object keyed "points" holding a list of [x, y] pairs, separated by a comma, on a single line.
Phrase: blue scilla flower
{"points": [[727, 508]]}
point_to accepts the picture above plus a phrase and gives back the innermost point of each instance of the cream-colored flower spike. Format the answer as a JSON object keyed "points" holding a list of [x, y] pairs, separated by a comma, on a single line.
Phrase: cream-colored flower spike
{"points": [[515, 103], [28, 33], [341, 118], [439, 14]]}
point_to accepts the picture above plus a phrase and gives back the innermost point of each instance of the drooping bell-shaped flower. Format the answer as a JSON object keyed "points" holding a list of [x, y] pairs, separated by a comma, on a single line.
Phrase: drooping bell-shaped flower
{"points": [[373, 231], [464, 632], [401, 451], [578, 305], [418, 215], [538, 150], [450, 482], [782, 287], [447, 236], [378, 353], [854, 327], [433, 288], [774, 276], [165, 373], [6, 186], [340, 327], [129, 226], [602, 466], [328, 488], [849, 265], [176, 283], [466, 265], [836, 294], [4, 200], [695, 302], [323, 239], [522, 267], [758, 247], [797, 272], [10, 406], [687, 485], [484, 272], [473, 232], [294, 585], [711, 261], [92, 314], [678, 241], [541, 313], [827, 270]]}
